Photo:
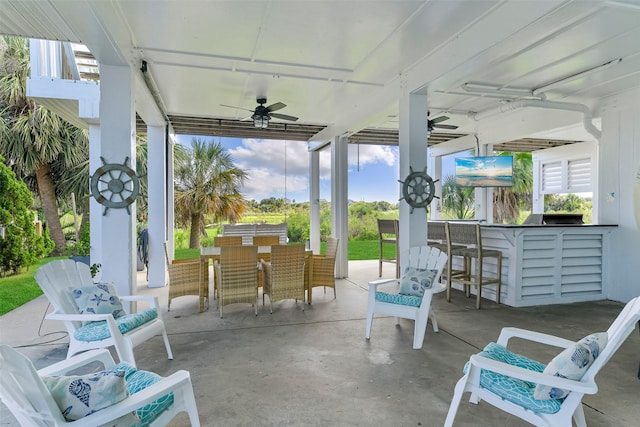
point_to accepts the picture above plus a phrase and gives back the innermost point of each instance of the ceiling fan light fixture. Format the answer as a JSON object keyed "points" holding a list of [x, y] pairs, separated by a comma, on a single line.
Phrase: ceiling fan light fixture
{"points": [[261, 121]]}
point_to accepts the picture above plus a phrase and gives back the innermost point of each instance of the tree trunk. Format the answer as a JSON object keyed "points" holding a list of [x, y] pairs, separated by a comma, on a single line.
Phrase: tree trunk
{"points": [[47, 192], [194, 236], [86, 218]]}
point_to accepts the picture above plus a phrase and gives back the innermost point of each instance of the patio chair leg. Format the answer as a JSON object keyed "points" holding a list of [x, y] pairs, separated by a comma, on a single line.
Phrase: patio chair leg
{"points": [[367, 333], [578, 417], [167, 345], [455, 402], [434, 321]]}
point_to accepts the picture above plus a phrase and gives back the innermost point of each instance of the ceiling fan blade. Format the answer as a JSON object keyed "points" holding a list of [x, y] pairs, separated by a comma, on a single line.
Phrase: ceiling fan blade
{"points": [[237, 108], [445, 126], [275, 107], [439, 119], [283, 117], [246, 119]]}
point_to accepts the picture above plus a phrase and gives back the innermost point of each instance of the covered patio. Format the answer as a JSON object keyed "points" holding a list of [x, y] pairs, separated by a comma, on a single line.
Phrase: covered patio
{"points": [[315, 368], [492, 72], [500, 71]]}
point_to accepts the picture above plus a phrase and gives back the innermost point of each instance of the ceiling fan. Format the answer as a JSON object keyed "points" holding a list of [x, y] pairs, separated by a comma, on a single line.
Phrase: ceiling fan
{"points": [[435, 123], [261, 115]]}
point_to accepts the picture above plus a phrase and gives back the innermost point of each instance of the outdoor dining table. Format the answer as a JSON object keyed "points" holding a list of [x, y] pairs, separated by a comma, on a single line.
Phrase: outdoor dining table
{"points": [[264, 253]]}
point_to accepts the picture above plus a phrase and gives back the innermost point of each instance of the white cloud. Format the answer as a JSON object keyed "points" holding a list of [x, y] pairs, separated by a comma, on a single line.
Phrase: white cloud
{"points": [[268, 176]]}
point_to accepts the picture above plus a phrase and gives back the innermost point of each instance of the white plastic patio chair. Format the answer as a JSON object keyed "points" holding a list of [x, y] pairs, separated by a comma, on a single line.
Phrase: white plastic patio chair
{"points": [[156, 400], [503, 382], [413, 307], [58, 279]]}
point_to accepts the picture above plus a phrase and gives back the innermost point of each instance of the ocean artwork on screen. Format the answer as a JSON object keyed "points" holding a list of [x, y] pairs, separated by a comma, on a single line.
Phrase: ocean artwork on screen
{"points": [[484, 171]]}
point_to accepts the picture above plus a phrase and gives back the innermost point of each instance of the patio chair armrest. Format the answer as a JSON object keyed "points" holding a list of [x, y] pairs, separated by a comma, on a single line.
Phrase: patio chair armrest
{"points": [[524, 374], [63, 367], [373, 285], [77, 317], [437, 287], [173, 383], [507, 333], [152, 300]]}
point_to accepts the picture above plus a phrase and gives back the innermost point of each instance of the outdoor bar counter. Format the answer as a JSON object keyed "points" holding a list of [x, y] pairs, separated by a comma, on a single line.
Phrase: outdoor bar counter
{"points": [[549, 264]]}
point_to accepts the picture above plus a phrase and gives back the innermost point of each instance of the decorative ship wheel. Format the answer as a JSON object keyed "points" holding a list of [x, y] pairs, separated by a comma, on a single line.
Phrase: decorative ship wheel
{"points": [[115, 185], [418, 189]]}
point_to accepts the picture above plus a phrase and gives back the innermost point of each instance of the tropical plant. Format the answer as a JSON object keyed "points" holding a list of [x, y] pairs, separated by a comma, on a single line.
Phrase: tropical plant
{"points": [[41, 148], [20, 246], [457, 202], [507, 201], [207, 183]]}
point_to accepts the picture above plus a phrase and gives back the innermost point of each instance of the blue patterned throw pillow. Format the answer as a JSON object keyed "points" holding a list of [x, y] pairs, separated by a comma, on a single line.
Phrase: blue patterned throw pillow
{"points": [[572, 363], [100, 298], [414, 281], [80, 395]]}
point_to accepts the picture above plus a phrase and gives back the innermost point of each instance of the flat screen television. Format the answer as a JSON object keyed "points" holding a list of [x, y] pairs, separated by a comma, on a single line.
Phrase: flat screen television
{"points": [[484, 171]]}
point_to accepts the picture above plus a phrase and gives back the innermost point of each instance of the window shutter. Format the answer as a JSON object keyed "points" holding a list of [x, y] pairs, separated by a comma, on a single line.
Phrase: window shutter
{"points": [[551, 177], [580, 175]]}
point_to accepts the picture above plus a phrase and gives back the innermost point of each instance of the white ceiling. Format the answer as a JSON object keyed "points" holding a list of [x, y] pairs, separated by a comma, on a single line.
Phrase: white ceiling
{"points": [[345, 64]]}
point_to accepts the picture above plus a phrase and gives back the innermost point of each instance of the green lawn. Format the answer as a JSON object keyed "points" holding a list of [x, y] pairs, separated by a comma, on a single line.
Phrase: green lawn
{"points": [[358, 250], [22, 288]]}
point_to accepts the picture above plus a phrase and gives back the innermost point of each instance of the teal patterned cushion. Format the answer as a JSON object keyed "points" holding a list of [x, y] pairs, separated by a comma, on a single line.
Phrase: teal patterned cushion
{"points": [[100, 298], [512, 389], [80, 395], [415, 281], [138, 381], [572, 363], [400, 299], [96, 331]]}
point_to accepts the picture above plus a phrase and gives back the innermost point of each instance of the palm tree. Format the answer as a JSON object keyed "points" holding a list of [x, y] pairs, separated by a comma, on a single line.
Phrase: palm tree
{"points": [[507, 201], [37, 143], [207, 182], [457, 202]]}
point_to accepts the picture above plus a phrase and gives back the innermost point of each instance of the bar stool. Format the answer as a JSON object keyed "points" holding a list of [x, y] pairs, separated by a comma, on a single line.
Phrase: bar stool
{"points": [[471, 234], [388, 233], [455, 240]]}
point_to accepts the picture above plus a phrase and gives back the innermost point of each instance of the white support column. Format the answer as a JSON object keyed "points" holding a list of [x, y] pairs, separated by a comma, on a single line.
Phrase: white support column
{"points": [[413, 154], [618, 190], [314, 201], [117, 142], [157, 209], [95, 208], [170, 225], [339, 203], [435, 168]]}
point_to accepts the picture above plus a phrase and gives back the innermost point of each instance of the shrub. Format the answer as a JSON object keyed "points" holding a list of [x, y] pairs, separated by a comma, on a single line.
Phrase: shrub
{"points": [[20, 246]]}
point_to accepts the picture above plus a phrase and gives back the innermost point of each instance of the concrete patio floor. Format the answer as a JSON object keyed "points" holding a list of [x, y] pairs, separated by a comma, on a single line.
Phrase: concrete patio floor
{"points": [[315, 368]]}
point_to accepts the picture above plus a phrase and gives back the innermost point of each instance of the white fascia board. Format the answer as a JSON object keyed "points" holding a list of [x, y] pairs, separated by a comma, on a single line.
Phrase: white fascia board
{"points": [[146, 106], [317, 145], [86, 93], [452, 146]]}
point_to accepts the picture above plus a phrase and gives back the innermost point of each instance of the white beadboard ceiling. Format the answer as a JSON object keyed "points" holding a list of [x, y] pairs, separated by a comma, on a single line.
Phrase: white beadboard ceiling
{"points": [[344, 64]]}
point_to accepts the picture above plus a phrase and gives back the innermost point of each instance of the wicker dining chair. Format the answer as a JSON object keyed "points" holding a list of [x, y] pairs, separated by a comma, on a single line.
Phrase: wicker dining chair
{"points": [[227, 241], [185, 279], [236, 276], [323, 268], [269, 240], [283, 277]]}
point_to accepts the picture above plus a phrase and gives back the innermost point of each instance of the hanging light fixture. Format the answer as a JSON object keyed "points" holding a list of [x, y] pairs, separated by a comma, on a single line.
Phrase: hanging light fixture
{"points": [[261, 121]]}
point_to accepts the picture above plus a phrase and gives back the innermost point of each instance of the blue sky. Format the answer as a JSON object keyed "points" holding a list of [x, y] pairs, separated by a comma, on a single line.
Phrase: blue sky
{"points": [[373, 169]]}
